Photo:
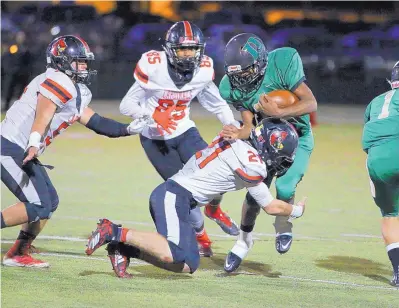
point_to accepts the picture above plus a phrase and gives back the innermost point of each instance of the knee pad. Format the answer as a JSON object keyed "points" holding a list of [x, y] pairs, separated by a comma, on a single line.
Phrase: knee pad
{"points": [[37, 211]]}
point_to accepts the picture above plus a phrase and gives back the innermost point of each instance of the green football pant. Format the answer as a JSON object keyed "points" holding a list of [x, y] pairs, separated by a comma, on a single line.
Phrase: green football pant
{"points": [[287, 183], [383, 168]]}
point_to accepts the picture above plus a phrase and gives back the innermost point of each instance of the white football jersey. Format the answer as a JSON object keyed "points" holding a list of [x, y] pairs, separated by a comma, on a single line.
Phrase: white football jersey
{"points": [[71, 100], [222, 167], [155, 91]]}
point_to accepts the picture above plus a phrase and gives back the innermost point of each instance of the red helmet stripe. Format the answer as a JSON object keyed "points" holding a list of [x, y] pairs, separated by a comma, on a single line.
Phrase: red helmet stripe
{"points": [[188, 32]]}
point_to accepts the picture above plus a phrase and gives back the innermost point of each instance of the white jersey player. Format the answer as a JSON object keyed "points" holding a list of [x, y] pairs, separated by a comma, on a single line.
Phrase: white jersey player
{"points": [[166, 84], [51, 103], [222, 167]]}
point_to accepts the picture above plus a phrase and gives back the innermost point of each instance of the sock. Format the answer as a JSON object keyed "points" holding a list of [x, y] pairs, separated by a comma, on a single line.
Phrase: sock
{"points": [[122, 232], [202, 236], [393, 254], [247, 228], [3, 224], [21, 245]]}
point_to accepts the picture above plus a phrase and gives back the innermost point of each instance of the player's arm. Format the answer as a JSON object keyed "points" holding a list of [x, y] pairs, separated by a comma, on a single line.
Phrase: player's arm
{"points": [[130, 105], [232, 132], [45, 111], [290, 66], [272, 206], [211, 100], [105, 126]]}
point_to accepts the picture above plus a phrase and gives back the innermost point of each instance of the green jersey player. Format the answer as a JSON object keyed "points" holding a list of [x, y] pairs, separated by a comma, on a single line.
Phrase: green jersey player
{"points": [[381, 142], [250, 72]]}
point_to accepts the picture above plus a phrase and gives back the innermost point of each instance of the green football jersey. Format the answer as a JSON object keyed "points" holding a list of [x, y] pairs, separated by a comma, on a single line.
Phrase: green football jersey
{"points": [[284, 72], [381, 120]]}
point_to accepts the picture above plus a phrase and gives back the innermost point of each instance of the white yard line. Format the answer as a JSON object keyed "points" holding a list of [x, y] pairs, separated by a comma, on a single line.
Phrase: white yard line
{"points": [[296, 236]]}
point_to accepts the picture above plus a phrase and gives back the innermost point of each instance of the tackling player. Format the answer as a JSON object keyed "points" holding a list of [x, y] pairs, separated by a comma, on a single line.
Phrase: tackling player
{"points": [[381, 142], [221, 167], [252, 71], [166, 83], [51, 103]]}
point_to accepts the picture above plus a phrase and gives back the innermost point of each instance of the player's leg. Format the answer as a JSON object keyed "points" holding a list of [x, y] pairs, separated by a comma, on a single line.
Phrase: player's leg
{"points": [[286, 186], [190, 143], [174, 247], [383, 168], [163, 155], [29, 186]]}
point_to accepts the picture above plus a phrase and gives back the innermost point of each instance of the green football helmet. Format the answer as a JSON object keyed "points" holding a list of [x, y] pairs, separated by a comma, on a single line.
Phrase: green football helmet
{"points": [[245, 62]]}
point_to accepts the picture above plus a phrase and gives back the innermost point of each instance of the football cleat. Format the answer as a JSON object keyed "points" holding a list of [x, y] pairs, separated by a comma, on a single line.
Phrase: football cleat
{"points": [[120, 261], [24, 261], [106, 232], [204, 244], [232, 262], [395, 280], [222, 219], [283, 242], [205, 250]]}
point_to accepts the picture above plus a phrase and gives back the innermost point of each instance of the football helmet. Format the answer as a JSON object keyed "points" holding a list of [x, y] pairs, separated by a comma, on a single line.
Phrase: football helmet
{"points": [[276, 141], [395, 76], [64, 50], [184, 34], [245, 62]]}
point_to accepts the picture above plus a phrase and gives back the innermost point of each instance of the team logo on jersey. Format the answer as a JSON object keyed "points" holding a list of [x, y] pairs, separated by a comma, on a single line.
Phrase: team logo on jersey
{"points": [[59, 47], [252, 46], [277, 138]]}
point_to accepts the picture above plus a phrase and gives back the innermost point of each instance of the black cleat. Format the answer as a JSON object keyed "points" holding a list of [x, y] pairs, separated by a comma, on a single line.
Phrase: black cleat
{"points": [[395, 280], [232, 262], [283, 242]]}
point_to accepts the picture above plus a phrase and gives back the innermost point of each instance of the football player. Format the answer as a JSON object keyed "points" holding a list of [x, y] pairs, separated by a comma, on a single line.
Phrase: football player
{"points": [[166, 83], [51, 103], [381, 142], [252, 71], [225, 165]]}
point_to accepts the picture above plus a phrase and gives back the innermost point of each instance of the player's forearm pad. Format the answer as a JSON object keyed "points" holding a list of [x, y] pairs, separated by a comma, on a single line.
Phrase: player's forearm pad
{"points": [[107, 127]]}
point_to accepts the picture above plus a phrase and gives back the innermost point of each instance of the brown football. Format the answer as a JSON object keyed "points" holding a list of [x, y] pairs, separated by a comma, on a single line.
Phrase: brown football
{"points": [[283, 98]]}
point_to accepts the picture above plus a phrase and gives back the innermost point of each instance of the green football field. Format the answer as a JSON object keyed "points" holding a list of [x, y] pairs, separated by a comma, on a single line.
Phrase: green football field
{"points": [[337, 258]]}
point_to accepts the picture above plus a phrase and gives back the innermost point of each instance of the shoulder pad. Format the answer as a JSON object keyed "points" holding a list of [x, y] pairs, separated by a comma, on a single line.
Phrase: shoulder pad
{"points": [[148, 65], [58, 87]]}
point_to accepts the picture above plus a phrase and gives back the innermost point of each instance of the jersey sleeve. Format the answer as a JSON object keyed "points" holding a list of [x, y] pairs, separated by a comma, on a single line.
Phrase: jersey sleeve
{"points": [[290, 68], [58, 87], [141, 72], [261, 194], [245, 163], [211, 100], [367, 113]]}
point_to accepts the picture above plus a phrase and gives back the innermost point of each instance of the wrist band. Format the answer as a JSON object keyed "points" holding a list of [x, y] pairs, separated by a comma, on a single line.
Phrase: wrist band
{"points": [[34, 140]]}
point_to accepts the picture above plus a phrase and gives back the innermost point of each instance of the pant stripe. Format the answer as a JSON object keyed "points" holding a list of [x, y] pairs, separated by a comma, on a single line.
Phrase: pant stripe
{"points": [[172, 220], [20, 178]]}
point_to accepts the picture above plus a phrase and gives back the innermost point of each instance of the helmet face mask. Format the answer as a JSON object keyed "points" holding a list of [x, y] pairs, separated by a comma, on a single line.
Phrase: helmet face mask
{"points": [[276, 141], [245, 63], [67, 50], [181, 35]]}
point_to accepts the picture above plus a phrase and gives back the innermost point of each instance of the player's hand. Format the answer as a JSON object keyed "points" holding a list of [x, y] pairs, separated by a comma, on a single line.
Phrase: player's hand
{"points": [[230, 132], [268, 106], [32, 153], [164, 119], [302, 203]]}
